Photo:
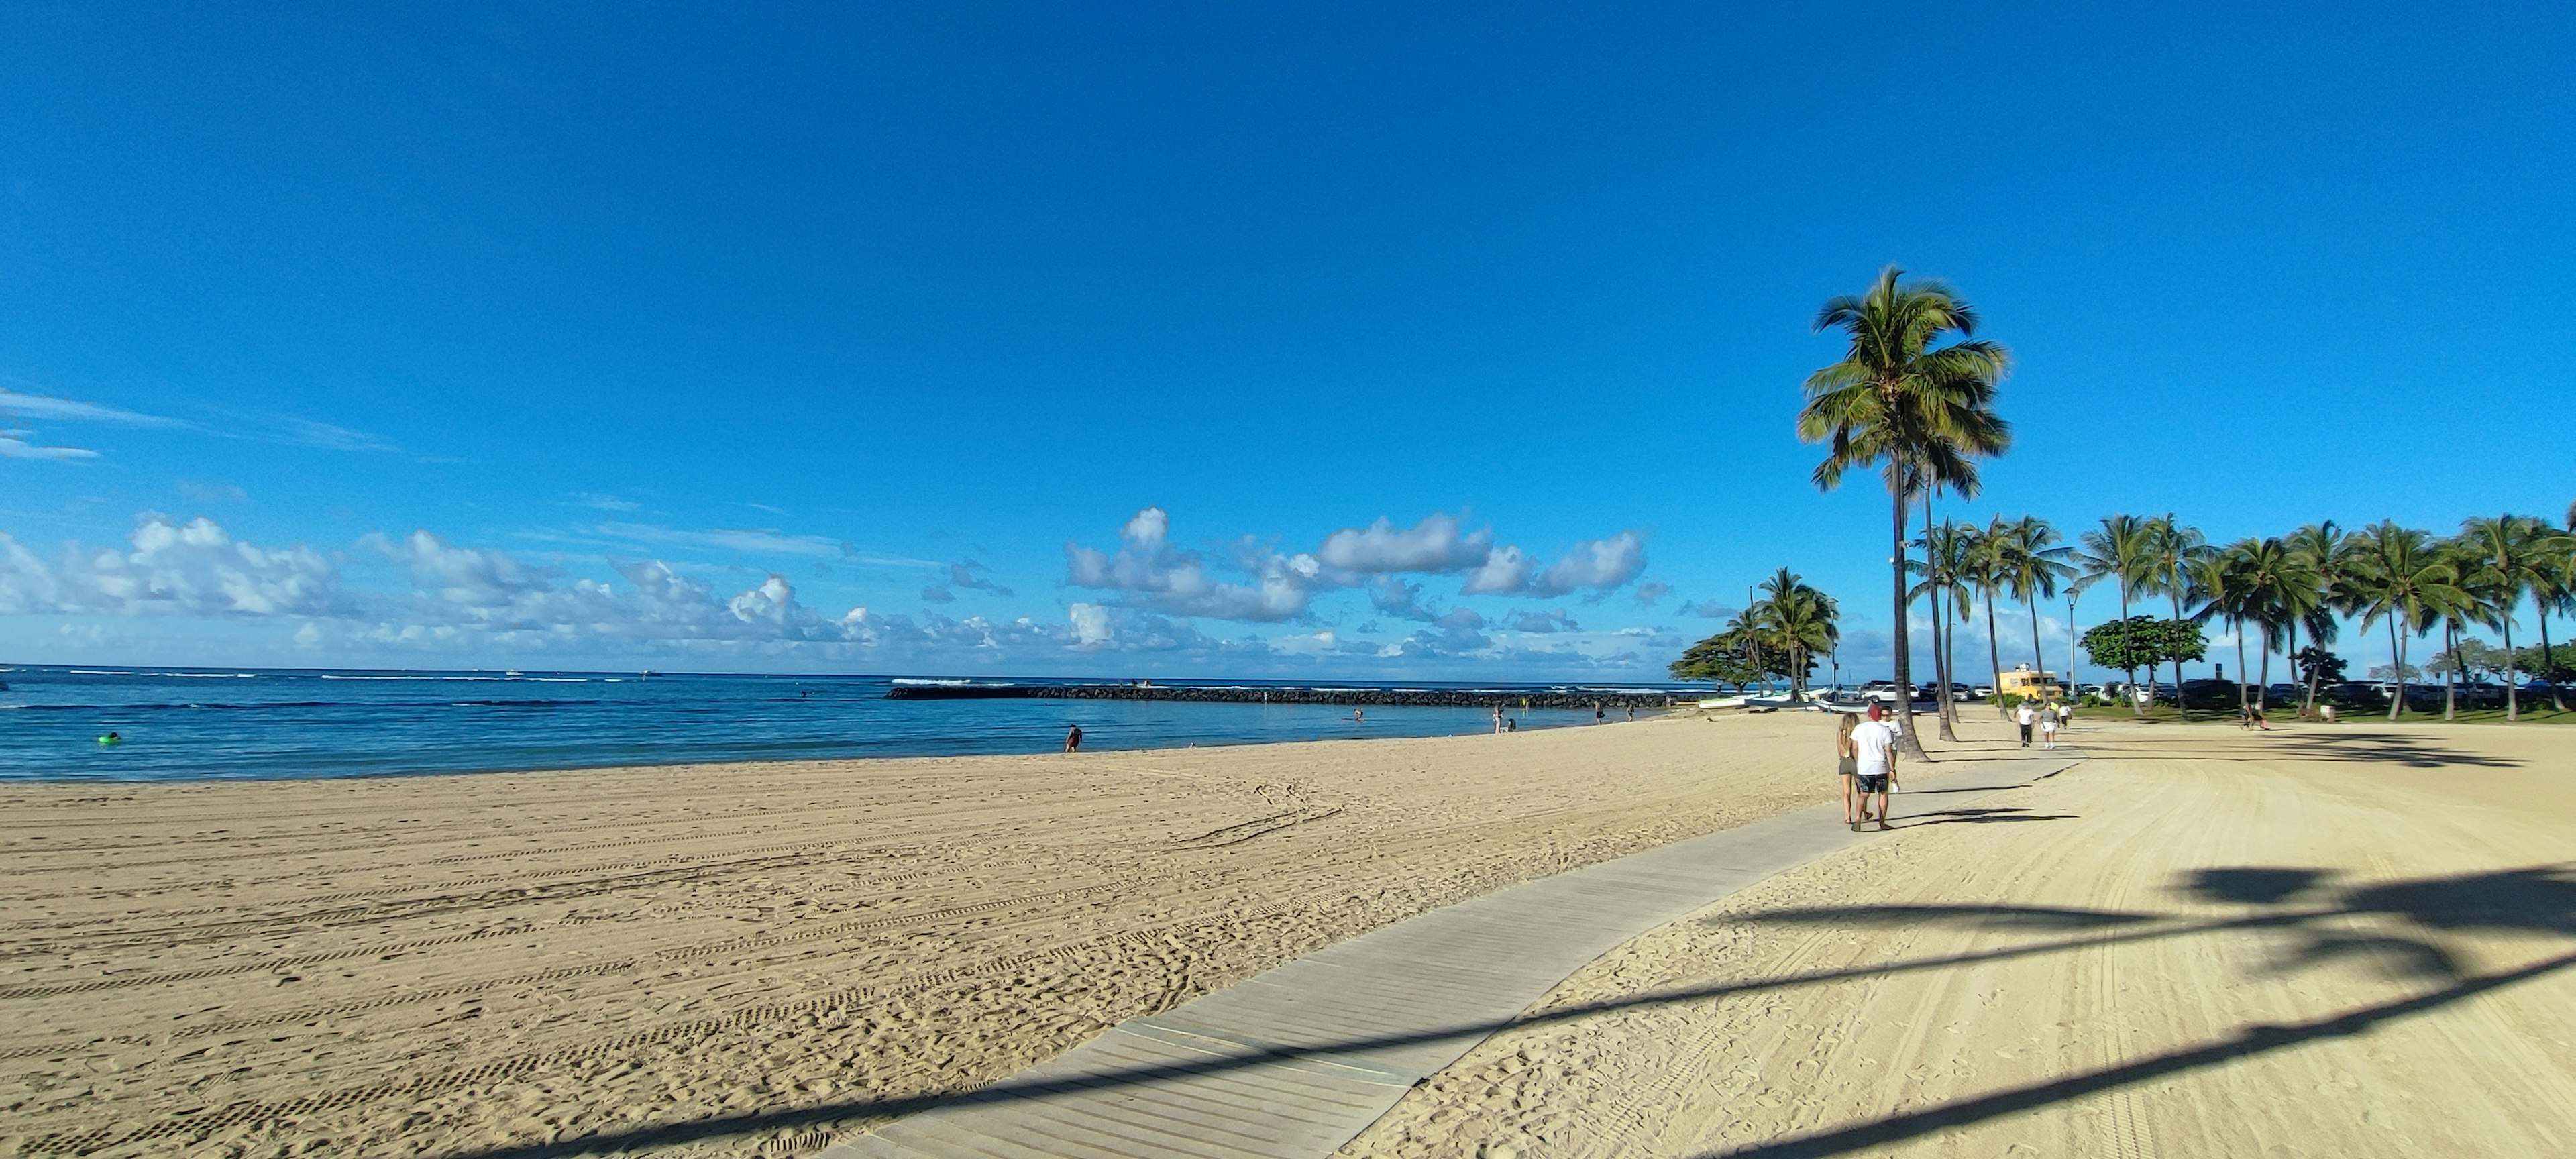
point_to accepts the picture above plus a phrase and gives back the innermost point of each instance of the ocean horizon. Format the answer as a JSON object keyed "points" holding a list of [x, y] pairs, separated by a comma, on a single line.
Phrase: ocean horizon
{"points": [[177, 723]]}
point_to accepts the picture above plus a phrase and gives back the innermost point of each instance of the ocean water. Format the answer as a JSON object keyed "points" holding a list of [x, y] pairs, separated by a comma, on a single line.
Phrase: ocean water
{"points": [[208, 724]]}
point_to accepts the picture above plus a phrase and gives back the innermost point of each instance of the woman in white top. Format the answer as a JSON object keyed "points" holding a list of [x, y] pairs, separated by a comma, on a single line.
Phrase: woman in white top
{"points": [[2048, 727]]}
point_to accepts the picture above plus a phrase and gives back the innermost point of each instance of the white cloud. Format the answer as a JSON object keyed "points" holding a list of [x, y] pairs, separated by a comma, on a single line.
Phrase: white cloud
{"points": [[1437, 544], [192, 569], [14, 445], [1148, 570], [46, 407], [1597, 563], [1393, 596], [1651, 590], [1505, 572], [1090, 625], [1705, 610], [1544, 622]]}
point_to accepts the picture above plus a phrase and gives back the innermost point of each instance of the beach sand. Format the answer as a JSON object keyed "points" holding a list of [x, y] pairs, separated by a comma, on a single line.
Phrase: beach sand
{"points": [[2358, 940], [2198, 943], [740, 959]]}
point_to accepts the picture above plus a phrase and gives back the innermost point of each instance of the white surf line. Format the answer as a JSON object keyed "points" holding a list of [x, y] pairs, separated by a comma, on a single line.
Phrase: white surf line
{"points": [[1295, 1062]]}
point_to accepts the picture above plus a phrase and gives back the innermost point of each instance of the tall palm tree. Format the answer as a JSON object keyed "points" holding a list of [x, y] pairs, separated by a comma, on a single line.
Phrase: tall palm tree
{"points": [[2326, 555], [2480, 593], [1945, 568], [1986, 570], [2553, 589], [2033, 564], [2275, 589], [1797, 622], [2503, 555], [2402, 578], [2216, 583], [2171, 549], [2115, 551], [1918, 411]]}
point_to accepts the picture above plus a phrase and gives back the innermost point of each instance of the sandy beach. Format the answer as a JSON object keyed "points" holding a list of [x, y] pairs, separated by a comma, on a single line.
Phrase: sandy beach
{"points": [[475, 965], [2357, 940], [683, 959]]}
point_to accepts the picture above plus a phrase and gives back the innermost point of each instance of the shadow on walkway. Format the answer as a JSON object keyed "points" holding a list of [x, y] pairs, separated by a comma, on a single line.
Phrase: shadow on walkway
{"points": [[2539, 899]]}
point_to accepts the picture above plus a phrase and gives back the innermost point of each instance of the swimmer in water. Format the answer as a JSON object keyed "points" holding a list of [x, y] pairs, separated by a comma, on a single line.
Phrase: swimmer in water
{"points": [[111, 739]]}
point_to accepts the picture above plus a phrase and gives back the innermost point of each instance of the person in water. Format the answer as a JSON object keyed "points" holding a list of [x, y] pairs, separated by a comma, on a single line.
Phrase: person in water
{"points": [[111, 739], [1072, 737]]}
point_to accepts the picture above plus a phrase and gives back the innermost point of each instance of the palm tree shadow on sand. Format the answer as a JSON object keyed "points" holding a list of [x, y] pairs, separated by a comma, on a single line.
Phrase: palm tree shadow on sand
{"points": [[2306, 904]]}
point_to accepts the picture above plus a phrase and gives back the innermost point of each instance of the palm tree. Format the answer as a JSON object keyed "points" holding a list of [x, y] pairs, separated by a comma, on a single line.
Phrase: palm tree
{"points": [[2401, 578], [2115, 551], [2504, 555], [1945, 567], [1919, 412], [2480, 593], [1986, 570], [2170, 550], [1797, 622], [2217, 583], [2553, 588], [2276, 589], [2032, 567], [2326, 554]]}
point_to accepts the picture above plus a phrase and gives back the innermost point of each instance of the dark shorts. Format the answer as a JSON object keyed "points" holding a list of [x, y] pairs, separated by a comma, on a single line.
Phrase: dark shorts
{"points": [[1872, 783]]}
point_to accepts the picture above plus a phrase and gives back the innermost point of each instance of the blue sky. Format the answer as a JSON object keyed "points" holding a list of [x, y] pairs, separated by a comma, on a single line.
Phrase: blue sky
{"points": [[1090, 339]]}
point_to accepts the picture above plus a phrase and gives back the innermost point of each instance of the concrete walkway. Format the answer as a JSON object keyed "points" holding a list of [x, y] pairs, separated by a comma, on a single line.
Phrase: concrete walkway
{"points": [[1296, 1061]]}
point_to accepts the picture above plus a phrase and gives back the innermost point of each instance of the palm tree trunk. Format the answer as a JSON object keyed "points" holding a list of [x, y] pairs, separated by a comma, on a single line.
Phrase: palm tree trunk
{"points": [[2240, 668], [2038, 661], [2512, 699], [2263, 687], [1906, 743], [2179, 714], [1940, 626], [1995, 656], [2135, 709], [2450, 697], [2397, 653], [2549, 663], [2292, 656]]}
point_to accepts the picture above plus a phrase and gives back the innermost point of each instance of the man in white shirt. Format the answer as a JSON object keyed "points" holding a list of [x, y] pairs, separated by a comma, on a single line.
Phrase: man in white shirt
{"points": [[1873, 762], [2026, 715]]}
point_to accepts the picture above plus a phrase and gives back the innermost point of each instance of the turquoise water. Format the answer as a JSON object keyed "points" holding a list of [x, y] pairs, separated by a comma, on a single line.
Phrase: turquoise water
{"points": [[207, 724]]}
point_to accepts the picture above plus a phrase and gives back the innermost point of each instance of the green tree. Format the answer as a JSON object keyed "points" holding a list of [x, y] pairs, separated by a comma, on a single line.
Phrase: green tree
{"points": [[2507, 556], [2274, 589], [2128, 643], [2326, 553], [2402, 579], [1948, 559], [2170, 550], [2115, 551], [1898, 400], [2032, 565], [1795, 622]]}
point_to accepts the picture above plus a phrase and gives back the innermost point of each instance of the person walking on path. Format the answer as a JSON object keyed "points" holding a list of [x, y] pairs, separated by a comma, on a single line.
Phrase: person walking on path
{"points": [[1072, 737], [1846, 765], [2026, 715], [1873, 762], [2048, 727]]}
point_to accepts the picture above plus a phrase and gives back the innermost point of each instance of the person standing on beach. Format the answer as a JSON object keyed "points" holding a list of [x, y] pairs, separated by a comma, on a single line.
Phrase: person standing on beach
{"points": [[1873, 762], [1498, 720], [1598, 716], [2026, 715], [1632, 714], [1846, 765], [1072, 737]]}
